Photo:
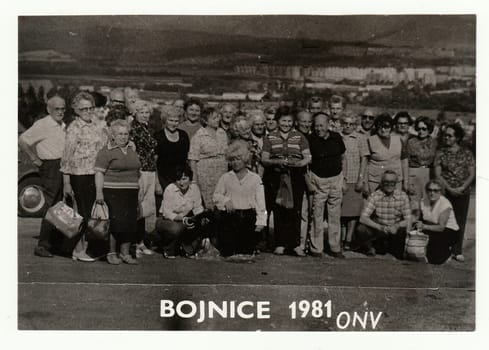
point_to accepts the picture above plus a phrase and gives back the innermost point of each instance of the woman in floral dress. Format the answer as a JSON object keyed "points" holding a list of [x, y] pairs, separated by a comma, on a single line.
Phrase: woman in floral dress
{"points": [[207, 155]]}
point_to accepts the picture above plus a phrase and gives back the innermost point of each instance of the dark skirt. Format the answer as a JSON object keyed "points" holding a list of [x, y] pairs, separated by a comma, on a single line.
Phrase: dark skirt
{"points": [[123, 205]]}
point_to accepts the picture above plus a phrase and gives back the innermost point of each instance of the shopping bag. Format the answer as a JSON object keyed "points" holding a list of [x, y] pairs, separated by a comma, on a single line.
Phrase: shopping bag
{"points": [[285, 197], [64, 218], [415, 246], [98, 224]]}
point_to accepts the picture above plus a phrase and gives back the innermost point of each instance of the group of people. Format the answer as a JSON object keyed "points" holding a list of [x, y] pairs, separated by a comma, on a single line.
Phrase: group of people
{"points": [[333, 180]]}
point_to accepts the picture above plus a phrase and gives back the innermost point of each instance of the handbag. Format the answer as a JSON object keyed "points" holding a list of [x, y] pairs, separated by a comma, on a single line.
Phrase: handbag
{"points": [[64, 218], [416, 245], [98, 224], [285, 197]]}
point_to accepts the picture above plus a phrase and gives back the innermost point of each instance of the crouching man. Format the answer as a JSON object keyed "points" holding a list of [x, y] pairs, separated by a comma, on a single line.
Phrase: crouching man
{"points": [[385, 219], [240, 199]]}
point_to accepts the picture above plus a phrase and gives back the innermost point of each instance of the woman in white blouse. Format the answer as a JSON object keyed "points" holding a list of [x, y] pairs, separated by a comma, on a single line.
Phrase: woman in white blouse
{"points": [[438, 221], [240, 199], [183, 223]]}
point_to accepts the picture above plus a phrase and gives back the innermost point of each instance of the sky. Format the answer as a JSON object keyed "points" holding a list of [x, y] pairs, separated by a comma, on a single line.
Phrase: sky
{"points": [[433, 30]]}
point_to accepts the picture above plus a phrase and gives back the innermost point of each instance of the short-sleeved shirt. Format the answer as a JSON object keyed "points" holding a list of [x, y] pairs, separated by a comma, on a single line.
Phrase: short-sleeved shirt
{"points": [[82, 143], [327, 154], [421, 152], [293, 146], [455, 166], [145, 145], [387, 210], [356, 148], [48, 137], [120, 166], [432, 213]]}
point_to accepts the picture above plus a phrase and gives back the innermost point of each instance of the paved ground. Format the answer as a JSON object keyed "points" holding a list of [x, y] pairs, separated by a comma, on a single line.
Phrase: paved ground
{"points": [[62, 294]]}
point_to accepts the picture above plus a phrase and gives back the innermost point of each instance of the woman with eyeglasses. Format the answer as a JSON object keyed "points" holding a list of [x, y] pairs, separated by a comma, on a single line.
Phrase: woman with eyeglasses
{"points": [[402, 122], [455, 169], [84, 139], [421, 151], [386, 152], [438, 222]]}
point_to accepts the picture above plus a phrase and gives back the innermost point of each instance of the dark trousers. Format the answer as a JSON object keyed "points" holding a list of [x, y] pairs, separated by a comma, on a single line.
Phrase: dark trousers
{"points": [[52, 182], [236, 232], [287, 222], [460, 209], [84, 189], [368, 237], [175, 235], [438, 249]]}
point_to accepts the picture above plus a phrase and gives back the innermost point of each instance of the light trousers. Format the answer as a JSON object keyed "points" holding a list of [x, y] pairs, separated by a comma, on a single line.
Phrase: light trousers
{"points": [[329, 193]]}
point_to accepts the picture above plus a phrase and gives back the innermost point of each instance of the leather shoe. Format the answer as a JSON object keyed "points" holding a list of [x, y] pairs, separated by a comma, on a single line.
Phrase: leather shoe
{"points": [[337, 255], [42, 252], [316, 254]]}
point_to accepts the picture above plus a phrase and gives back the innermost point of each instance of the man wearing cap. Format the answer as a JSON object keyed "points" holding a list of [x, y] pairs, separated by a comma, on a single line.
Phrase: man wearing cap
{"points": [[44, 142]]}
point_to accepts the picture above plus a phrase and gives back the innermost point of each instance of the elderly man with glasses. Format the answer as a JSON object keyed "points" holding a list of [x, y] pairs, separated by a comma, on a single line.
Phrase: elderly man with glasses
{"points": [[385, 219]]}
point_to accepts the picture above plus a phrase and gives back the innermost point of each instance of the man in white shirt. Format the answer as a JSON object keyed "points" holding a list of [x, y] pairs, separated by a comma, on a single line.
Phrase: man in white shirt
{"points": [[44, 143]]}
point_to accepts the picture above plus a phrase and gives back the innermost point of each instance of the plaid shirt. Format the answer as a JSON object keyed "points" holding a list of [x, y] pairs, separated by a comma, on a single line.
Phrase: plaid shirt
{"points": [[387, 210], [356, 148]]}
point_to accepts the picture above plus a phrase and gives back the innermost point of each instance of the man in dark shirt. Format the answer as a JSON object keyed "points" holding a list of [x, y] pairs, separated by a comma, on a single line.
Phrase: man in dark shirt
{"points": [[327, 150]]}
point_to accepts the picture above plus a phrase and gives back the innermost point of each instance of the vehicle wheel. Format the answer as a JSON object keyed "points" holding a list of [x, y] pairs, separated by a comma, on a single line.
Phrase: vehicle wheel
{"points": [[31, 200]]}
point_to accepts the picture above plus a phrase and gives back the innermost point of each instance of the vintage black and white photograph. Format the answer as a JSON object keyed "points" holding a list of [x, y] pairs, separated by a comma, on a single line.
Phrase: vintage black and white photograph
{"points": [[238, 172]]}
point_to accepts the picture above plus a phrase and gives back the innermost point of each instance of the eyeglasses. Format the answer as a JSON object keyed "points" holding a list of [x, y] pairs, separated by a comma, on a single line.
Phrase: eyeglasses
{"points": [[369, 117], [86, 109], [386, 126], [422, 128], [389, 183], [402, 123], [434, 190], [60, 109]]}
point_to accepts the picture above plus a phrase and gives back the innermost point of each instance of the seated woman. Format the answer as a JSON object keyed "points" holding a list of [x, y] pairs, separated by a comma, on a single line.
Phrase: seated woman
{"points": [[116, 182], [183, 224], [240, 199], [438, 222]]}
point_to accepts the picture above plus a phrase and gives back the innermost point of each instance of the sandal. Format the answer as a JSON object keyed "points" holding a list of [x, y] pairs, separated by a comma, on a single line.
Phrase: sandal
{"points": [[113, 259], [128, 259]]}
